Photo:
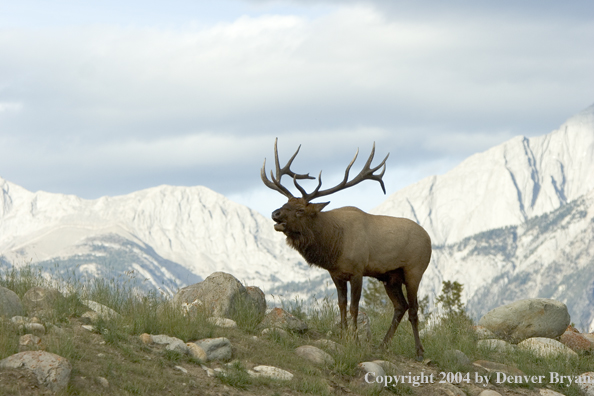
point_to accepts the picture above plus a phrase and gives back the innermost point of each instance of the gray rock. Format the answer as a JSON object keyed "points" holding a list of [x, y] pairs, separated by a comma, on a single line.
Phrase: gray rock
{"points": [[103, 382], [545, 347], [374, 370], [483, 333], [41, 301], [216, 348], [34, 328], [314, 355], [177, 346], [163, 339], [534, 317], [10, 303], [496, 345], [102, 311], [549, 392], [275, 330], [29, 342], [222, 322], [270, 372], [329, 346], [281, 319], [458, 357], [51, 370], [220, 294], [257, 299]]}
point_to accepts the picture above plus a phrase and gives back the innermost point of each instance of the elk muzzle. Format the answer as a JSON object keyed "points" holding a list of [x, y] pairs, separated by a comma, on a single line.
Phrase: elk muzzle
{"points": [[278, 218]]}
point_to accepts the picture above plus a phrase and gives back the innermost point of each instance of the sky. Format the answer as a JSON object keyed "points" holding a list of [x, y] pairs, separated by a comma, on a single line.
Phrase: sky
{"points": [[109, 97]]}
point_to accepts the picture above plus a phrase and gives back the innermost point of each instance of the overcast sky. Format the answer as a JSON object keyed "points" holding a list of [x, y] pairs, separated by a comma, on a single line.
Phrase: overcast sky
{"points": [[109, 97]]}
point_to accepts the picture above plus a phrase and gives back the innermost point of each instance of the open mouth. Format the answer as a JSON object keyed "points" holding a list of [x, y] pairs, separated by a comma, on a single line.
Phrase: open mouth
{"points": [[280, 227]]}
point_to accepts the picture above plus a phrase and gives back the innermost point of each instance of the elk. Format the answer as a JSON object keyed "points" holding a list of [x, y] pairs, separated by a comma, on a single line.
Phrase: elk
{"points": [[351, 244]]}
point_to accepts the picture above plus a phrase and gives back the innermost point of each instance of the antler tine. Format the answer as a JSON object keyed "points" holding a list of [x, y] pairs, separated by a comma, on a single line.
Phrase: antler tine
{"points": [[365, 174], [275, 184]]}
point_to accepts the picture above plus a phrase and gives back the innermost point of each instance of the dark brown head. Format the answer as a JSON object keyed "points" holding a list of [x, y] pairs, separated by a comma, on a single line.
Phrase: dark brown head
{"points": [[297, 215]]}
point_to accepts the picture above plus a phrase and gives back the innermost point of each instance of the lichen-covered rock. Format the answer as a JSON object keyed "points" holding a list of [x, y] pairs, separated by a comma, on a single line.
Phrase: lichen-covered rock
{"points": [[270, 372], [523, 319], [576, 341], [281, 319], [314, 355], [587, 385], [10, 303], [41, 301], [51, 370], [546, 347], [220, 294], [102, 311], [216, 348]]}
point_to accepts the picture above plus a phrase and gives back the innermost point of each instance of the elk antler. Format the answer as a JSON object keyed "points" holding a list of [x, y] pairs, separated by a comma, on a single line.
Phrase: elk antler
{"points": [[275, 184], [365, 174]]}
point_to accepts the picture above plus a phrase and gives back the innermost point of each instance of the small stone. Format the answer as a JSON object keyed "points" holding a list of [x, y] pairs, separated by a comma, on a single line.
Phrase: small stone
{"points": [[29, 341], [146, 338], [489, 392], [180, 368], [314, 355], [88, 327], [548, 392], [103, 382], [270, 372], [35, 328], [100, 355], [274, 330], [222, 322], [374, 369]]}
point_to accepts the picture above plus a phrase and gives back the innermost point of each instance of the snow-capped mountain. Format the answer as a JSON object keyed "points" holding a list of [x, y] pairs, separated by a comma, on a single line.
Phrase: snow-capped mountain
{"points": [[516, 221], [172, 236], [503, 186]]}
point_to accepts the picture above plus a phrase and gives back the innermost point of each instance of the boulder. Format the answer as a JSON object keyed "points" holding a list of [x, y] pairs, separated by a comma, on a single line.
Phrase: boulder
{"points": [[281, 319], [329, 346], [314, 355], [51, 370], [374, 370], [41, 301], [10, 303], [523, 319], [587, 384], [257, 299], [220, 294], [545, 347], [102, 311], [216, 348], [576, 341], [496, 345]]}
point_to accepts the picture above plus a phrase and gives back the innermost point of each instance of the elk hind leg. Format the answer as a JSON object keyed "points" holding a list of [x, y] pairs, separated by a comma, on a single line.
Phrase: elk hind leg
{"points": [[413, 316], [394, 290]]}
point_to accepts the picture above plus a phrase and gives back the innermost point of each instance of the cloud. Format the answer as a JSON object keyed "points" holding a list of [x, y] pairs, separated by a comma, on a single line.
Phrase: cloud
{"points": [[135, 106]]}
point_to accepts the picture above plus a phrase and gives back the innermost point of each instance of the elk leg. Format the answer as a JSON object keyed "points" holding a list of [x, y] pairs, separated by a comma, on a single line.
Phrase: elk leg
{"points": [[413, 316], [341, 289], [394, 290], [356, 286]]}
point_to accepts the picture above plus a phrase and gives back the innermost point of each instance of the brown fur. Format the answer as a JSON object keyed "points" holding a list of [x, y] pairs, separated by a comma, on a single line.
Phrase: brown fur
{"points": [[350, 244]]}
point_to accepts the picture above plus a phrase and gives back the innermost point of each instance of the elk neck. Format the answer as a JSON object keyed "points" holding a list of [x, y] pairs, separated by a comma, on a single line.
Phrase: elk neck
{"points": [[320, 241]]}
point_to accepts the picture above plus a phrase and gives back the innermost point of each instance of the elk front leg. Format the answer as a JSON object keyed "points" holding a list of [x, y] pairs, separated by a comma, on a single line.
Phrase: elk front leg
{"points": [[341, 289], [356, 285]]}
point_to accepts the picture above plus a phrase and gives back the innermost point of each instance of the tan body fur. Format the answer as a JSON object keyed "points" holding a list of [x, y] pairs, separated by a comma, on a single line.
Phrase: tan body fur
{"points": [[350, 244]]}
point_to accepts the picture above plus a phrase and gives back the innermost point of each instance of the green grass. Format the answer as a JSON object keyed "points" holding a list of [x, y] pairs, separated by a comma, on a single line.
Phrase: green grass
{"points": [[116, 353]]}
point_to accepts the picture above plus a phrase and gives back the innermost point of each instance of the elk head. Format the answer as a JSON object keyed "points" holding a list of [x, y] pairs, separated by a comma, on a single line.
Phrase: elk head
{"points": [[296, 216]]}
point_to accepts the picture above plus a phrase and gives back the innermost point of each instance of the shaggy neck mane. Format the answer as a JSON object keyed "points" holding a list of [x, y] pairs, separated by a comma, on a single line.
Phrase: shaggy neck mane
{"points": [[319, 242]]}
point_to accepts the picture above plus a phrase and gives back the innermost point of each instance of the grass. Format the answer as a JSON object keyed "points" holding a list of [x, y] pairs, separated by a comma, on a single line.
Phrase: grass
{"points": [[115, 352]]}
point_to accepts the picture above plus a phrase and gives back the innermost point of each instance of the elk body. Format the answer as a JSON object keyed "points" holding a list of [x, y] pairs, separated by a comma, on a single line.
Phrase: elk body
{"points": [[351, 244]]}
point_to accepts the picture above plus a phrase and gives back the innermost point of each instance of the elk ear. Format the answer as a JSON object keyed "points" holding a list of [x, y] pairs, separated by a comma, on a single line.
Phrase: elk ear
{"points": [[319, 206]]}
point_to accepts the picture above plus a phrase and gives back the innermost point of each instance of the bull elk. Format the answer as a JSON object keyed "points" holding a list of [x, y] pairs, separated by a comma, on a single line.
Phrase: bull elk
{"points": [[351, 244]]}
